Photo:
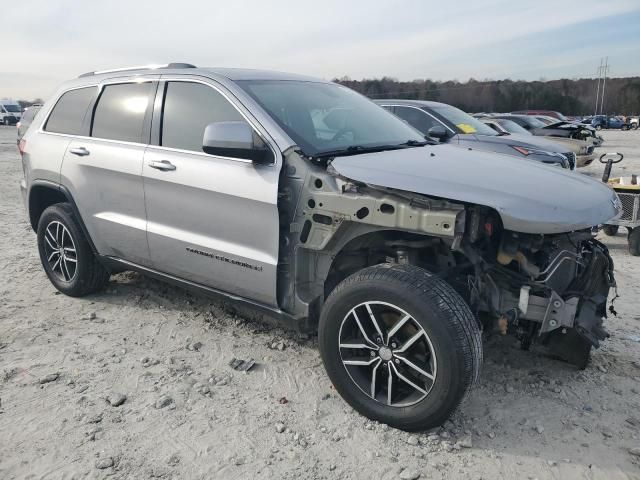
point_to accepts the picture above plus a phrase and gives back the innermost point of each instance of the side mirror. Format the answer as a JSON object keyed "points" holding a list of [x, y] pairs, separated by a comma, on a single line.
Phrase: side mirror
{"points": [[438, 132], [236, 140]]}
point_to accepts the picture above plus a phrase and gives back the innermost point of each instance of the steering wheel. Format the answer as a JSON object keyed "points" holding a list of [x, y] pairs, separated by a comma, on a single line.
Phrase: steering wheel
{"points": [[343, 131]]}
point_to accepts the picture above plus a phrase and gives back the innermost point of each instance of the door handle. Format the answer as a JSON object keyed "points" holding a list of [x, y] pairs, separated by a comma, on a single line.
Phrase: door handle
{"points": [[80, 151], [164, 165]]}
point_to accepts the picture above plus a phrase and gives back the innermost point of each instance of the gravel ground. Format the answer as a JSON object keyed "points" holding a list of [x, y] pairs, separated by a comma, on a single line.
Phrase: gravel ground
{"points": [[135, 383]]}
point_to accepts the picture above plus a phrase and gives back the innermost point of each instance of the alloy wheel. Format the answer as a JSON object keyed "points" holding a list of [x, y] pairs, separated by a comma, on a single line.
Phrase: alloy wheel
{"points": [[60, 251], [387, 354]]}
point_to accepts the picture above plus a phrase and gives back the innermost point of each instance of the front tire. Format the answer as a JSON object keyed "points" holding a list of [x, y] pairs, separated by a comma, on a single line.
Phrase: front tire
{"points": [[610, 230], [66, 255], [400, 345]]}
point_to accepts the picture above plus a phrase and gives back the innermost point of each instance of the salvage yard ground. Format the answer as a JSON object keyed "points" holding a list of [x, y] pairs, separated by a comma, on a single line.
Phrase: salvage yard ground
{"points": [[134, 383]]}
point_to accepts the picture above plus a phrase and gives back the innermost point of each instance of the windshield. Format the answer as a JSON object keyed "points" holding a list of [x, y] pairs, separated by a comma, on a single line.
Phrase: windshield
{"points": [[532, 122], [512, 127], [548, 120], [463, 121], [326, 117], [11, 108]]}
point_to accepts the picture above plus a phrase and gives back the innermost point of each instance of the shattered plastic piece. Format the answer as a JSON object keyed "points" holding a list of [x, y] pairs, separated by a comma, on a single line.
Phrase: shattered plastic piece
{"points": [[242, 365]]}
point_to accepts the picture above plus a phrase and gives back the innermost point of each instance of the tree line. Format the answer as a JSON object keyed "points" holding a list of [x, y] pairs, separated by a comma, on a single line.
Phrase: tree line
{"points": [[571, 97]]}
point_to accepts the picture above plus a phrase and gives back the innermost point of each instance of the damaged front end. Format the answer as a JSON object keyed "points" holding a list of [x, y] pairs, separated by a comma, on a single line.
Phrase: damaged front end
{"points": [[548, 289]]}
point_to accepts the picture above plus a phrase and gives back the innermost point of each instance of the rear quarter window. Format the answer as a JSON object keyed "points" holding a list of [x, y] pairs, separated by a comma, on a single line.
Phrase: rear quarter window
{"points": [[69, 112]]}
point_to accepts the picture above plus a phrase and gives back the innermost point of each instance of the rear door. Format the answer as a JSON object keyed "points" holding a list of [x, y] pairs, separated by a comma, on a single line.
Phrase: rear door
{"points": [[212, 220], [103, 170]]}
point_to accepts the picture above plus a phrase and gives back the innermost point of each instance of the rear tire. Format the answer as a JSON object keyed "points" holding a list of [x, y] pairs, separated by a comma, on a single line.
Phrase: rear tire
{"points": [[610, 230], [634, 242], [66, 255], [448, 348]]}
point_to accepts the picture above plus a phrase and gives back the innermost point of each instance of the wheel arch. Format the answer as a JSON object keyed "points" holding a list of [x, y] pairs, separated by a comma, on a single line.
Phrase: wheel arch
{"points": [[375, 247], [43, 194], [357, 246]]}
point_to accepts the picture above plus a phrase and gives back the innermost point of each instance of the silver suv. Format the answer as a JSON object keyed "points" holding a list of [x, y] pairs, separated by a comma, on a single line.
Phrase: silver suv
{"points": [[304, 199]]}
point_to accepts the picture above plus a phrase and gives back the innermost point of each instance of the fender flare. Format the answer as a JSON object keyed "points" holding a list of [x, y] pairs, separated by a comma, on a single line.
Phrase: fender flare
{"points": [[67, 194]]}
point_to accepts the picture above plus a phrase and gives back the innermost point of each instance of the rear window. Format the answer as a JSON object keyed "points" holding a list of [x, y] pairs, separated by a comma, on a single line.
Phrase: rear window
{"points": [[120, 112], [68, 114]]}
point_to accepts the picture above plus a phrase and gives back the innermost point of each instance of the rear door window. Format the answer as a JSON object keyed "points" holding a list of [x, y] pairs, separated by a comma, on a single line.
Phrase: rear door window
{"points": [[70, 110], [417, 118], [120, 112], [188, 108]]}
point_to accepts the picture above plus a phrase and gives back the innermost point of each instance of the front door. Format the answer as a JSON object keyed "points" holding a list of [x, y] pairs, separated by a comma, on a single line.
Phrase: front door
{"points": [[211, 220]]}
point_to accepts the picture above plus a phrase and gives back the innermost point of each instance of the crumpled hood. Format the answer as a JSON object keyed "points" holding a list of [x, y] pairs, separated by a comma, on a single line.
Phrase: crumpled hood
{"points": [[530, 197]]}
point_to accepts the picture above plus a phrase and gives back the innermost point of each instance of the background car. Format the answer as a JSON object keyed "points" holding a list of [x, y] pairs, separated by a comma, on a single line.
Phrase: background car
{"points": [[604, 121], [583, 151], [451, 125], [559, 129]]}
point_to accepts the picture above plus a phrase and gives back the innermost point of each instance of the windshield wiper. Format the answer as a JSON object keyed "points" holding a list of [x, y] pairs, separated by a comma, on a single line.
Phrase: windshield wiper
{"points": [[356, 149]]}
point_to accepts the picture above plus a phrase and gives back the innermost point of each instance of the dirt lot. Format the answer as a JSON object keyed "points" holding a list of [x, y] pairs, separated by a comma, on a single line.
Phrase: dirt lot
{"points": [[65, 361]]}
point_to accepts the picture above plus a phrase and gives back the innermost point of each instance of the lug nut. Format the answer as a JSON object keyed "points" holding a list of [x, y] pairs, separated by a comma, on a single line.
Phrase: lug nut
{"points": [[378, 340], [397, 361], [393, 345], [373, 354]]}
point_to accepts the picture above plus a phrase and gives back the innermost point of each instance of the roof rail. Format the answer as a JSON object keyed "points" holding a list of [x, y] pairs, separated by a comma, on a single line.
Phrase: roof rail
{"points": [[141, 67]]}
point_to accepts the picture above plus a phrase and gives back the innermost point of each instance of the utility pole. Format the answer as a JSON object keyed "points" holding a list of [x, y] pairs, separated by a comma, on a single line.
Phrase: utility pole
{"points": [[598, 88], [604, 82]]}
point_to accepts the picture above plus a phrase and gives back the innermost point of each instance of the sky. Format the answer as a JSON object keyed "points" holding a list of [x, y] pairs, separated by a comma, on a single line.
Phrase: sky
{"points": [[46, 42]]}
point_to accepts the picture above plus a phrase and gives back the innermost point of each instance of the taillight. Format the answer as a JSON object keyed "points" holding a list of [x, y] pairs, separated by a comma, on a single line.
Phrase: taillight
{"points": [[22, 145]]}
